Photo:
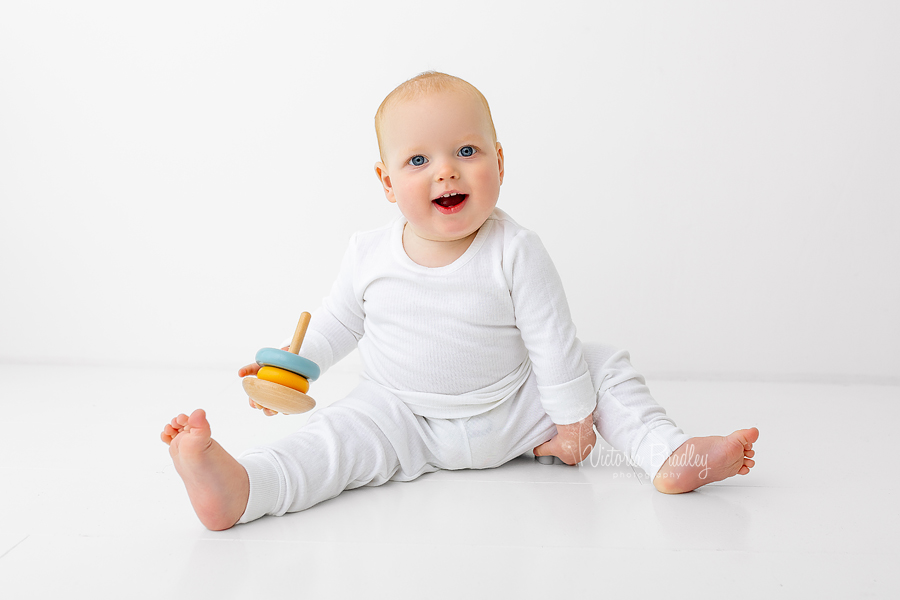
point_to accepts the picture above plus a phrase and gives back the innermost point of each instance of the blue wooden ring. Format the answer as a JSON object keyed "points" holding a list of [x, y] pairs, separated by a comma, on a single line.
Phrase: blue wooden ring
{"points": [[273, 357]]}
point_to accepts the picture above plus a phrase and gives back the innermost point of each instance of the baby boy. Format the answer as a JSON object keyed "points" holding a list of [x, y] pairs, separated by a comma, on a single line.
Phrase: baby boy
{"points": [[470, 354]]}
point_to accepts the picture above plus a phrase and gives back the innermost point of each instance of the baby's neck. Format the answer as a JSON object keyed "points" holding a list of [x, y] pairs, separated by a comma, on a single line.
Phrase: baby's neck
{"points": [[431, 253]]}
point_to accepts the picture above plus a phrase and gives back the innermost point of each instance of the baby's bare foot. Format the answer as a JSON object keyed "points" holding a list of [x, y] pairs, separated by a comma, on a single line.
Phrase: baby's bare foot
{"points": [[216, 483], [706, 459]]}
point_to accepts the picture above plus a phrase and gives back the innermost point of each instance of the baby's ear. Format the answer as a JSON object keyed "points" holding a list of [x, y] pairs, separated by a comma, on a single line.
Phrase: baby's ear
{"points": [[500, 161], [385, 179]]}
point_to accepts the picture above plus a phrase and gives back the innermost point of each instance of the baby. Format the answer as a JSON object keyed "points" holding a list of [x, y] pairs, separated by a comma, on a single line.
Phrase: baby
{"points": [[470, 353]]}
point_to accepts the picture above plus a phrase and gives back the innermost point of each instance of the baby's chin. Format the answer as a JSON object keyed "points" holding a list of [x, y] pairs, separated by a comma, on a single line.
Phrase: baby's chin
{"points": [[433, 237]]}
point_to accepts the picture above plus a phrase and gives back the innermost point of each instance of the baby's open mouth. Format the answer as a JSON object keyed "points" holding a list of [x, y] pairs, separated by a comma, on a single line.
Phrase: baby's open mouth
{"points": [[450, 200]]}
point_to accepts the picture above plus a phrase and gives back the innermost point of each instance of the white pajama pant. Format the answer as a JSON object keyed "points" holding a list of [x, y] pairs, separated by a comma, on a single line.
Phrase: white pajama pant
{"points": [[372, 437]]}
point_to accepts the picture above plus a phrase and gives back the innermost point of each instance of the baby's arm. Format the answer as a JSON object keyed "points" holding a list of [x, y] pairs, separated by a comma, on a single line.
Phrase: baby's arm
{"points": [[336, 327], [572, 443], [561, 373]]}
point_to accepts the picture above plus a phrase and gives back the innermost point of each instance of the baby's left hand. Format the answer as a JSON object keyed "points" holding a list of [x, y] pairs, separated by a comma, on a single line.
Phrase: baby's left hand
{"points": [[572, 443]]}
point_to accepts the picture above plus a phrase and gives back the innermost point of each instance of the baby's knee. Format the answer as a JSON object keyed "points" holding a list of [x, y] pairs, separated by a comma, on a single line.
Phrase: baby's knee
{"points": [[605, 363], [598, 354]]}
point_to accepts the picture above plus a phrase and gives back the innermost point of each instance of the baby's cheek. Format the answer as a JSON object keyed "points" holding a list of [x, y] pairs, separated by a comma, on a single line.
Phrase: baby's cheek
{"points": [[489, 180], [411, 193]]}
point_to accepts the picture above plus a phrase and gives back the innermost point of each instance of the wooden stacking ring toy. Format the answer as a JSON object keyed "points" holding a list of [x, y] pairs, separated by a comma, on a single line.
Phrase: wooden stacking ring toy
{"points": [[273, 357], [283, 379]]}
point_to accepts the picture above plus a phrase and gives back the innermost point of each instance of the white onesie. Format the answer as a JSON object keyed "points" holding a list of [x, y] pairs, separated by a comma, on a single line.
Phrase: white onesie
{"points": [[456, 341]]}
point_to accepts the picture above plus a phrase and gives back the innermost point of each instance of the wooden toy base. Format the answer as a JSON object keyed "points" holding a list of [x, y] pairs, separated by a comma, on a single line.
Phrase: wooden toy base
{"points": [[277, 397]]}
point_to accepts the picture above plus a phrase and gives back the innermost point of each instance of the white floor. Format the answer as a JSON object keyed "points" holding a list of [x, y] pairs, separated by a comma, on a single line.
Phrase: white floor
{"points": [[92, 505]]}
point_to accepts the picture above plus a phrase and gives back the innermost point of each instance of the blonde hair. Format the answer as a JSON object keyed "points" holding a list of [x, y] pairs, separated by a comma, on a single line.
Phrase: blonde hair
{"points": [[423, 84]]}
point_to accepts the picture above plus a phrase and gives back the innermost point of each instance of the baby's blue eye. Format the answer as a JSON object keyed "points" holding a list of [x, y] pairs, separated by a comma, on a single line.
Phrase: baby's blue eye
{"points": [[466, 151], [417, 161]]}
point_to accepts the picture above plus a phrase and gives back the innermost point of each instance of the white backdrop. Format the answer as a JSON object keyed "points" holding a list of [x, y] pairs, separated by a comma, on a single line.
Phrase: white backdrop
{"points": [[717, 181]]}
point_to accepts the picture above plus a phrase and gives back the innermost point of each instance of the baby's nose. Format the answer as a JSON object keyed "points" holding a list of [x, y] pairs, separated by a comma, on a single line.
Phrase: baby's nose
{"points": [[446, 172]]}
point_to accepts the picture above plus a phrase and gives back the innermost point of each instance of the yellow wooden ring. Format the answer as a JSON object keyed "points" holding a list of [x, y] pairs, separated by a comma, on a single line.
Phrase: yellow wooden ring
{"points": [[285, 378]]}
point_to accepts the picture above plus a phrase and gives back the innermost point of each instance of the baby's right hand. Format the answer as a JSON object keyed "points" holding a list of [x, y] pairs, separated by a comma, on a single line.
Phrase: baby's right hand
{"points": [[266, 411], [253, 369]]}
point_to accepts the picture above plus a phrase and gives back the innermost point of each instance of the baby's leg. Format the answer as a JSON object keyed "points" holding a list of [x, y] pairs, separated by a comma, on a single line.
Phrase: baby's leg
{"points": [[630, 419], [365, 439], [368, 438]]}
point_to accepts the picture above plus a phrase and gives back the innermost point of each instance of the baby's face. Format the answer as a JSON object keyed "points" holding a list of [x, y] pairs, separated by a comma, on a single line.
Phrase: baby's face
{"points": [[442, 166]]}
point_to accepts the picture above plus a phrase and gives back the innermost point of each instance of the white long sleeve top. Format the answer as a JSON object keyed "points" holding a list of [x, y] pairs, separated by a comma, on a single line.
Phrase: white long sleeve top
{"points": [[458, 340]]}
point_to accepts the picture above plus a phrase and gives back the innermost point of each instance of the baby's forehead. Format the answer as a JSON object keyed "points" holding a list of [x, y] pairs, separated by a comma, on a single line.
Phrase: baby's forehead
{"points": [[453, 102], [450, 97]]}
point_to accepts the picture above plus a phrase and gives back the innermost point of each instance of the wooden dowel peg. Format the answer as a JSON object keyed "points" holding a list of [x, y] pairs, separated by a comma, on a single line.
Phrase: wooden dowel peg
{"points": [[300, 332]]}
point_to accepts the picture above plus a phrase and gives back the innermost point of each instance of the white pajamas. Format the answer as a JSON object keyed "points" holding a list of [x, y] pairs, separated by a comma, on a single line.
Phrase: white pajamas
{"points": [[465, 366]]}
